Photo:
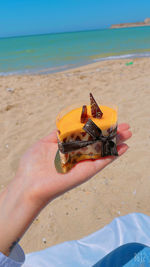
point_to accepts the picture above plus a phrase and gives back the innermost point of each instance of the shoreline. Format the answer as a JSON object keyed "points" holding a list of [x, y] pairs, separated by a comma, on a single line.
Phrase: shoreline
{"points": [[77, 65]]}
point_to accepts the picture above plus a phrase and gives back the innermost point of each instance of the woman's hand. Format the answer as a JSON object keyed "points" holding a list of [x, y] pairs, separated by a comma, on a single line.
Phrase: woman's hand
{"points": [[40, 178], [37, 183]]}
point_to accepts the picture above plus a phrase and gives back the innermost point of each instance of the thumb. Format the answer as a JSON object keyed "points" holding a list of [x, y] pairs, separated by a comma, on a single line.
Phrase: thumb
{"points": [[51, 138]]}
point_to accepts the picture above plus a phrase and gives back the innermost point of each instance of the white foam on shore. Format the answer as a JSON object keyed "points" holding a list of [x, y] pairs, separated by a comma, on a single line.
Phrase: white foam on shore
{"points": [[135, 55], [73, 65]]}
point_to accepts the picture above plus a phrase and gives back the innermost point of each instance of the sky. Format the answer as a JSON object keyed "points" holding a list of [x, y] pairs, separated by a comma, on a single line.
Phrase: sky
{"points": [[27, 17]]}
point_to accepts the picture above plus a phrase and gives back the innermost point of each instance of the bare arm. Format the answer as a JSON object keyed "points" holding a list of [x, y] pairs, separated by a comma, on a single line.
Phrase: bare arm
{"points": [[37, 183]]}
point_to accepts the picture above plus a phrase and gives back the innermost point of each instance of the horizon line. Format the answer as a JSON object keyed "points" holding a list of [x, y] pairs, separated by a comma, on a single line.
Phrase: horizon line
{"points": [[37, 34]]}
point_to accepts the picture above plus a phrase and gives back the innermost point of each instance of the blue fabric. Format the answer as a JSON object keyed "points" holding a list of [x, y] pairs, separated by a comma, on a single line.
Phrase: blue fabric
{"points": [[128, 255], [15, 259], [125, 242], [91, 250]]}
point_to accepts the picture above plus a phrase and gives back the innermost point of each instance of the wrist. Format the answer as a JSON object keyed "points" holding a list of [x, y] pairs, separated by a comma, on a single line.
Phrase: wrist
{"points": [[17, 211]]}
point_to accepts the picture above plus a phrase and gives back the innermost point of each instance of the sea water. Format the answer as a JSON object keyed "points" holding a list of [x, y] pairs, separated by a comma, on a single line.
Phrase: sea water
{"points": [[55, 52]]}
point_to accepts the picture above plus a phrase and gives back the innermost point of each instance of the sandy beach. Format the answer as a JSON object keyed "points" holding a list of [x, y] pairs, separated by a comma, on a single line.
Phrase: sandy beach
{"points": [[29, 105]]}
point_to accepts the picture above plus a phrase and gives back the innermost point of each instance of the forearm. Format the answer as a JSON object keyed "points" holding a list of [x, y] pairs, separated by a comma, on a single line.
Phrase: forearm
{"points": [[17, 212]]}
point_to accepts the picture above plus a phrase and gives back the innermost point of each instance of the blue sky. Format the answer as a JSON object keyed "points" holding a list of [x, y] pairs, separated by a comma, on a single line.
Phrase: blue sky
{"points": [[25, 17]]}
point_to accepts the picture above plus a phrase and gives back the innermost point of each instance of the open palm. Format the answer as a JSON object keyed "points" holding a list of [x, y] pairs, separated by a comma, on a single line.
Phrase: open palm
{"points": [[39, 176]]}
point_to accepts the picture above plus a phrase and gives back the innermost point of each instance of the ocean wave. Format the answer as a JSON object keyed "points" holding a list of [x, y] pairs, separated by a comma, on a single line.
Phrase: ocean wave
{"points": [[39, 71], [18, 72], [60, 68], [134, 55]]}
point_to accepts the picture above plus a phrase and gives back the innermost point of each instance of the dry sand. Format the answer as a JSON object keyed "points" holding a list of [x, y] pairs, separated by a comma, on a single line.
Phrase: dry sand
{"points": [[28, 108]]}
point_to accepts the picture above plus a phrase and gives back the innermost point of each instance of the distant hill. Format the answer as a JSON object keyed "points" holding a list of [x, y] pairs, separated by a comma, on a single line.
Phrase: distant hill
{"points": [[135, 24]]}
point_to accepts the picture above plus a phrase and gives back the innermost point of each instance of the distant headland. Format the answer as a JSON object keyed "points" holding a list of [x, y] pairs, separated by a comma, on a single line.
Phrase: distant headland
{"points": [[146, 22]]}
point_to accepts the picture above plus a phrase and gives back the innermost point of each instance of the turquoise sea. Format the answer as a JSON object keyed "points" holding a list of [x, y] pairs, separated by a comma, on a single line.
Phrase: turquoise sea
{"points": [[55, 52]]}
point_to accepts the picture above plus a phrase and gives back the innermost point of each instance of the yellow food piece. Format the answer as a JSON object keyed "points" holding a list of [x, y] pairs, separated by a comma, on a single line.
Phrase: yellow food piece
{"points": [[70, 122]]}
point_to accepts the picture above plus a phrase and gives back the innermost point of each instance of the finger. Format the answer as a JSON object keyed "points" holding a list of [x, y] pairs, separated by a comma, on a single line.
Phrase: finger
{"points": [[52, 137], [123, 127], [123, 136], [122, 148]]}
